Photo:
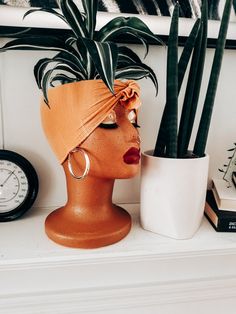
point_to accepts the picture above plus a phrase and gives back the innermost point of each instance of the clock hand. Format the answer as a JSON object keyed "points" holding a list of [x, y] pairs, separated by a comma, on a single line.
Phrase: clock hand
{"points": [[1, 185]]}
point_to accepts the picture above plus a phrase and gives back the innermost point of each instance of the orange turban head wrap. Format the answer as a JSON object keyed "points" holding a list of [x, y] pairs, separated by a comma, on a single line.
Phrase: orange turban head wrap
{"points": [[76, 109]]}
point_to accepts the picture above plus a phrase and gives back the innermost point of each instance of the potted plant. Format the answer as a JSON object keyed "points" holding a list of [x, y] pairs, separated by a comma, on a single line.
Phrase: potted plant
{"points": [[174, 176], [90, 98]]}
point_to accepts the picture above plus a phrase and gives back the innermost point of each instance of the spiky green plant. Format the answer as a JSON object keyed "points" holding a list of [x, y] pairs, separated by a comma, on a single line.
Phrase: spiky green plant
{"points": [[230, 167], [87, 54], [173, 139]]}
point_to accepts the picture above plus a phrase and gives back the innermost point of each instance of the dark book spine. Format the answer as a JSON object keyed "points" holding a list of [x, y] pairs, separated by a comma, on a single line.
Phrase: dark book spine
{"points": [[224, 224]]}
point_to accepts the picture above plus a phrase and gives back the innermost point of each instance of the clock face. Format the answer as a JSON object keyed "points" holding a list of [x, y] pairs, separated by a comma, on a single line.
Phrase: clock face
{"points": [[13, 186], [18, 185]]}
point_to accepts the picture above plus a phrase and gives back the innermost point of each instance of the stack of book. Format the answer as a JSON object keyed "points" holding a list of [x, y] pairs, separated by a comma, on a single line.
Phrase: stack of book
{"points": [[220, 208]]}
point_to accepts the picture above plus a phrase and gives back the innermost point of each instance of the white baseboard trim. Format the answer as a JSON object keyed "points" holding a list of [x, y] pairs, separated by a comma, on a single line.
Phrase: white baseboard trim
{"points": [[121, 298]]}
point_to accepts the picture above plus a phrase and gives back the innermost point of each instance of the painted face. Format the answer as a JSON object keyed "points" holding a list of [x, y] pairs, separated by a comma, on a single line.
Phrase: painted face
{"points": [[114, 147]]}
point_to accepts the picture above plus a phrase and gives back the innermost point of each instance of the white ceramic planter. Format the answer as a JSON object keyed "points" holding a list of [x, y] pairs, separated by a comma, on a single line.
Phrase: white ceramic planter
{"points": [[173, 194]]}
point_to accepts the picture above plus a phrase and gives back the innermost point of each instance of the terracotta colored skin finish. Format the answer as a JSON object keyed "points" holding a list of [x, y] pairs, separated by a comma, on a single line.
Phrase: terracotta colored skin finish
{"points": [[90, 219]]}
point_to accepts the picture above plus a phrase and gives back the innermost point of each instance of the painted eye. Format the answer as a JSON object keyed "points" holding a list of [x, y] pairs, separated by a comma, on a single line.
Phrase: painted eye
{"points": [[132, 116], [109, 122]]}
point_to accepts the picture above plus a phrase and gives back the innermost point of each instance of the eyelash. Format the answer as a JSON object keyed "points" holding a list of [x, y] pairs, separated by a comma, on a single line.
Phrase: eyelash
{"points": [[135, 124], [115, 125], [109, 126]]}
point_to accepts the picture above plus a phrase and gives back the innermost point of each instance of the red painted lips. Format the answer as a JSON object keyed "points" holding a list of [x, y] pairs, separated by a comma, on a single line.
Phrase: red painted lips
{"points": [[132, 156]]}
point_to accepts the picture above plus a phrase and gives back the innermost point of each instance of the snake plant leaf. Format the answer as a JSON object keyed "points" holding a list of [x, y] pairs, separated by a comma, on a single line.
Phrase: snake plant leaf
{"points": [[200, 68], [172, 86], [166, 143], [182, 66], [104, 56], [73, 17], [124, 25], [193, 86], [203, 129], [187, 52], [189, 104], [90, 9], [47, 10]]}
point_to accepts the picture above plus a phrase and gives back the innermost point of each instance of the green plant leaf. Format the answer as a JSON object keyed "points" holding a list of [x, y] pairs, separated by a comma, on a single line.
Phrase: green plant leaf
{"points": [[203, 129], [104, 57], [193, 85], [62, 78], [172, 86], [136, 72], [72, 60], [67, 68], [73, 17], [39, 69], [47, 78], [8, 32], [65, 57], [182, 66], [166, 143], [126, 55], [124, 25], [90, 8], [45, 84], [35, 43], [47, 10], [187, 52]]}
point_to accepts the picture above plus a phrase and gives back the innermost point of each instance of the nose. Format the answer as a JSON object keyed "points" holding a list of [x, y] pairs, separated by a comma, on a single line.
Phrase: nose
{"points": [[135, 138]]}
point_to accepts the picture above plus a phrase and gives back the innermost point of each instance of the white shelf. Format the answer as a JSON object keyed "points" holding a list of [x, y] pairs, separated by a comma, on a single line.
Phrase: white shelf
{"points": [[144, 269]]}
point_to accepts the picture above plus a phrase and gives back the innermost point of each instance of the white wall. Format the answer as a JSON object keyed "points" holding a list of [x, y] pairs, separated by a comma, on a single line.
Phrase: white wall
{"points": [[22, 130]]}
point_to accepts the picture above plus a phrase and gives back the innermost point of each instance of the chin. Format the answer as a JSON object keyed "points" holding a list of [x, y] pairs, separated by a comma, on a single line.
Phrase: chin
{"points": [[130, 172]]}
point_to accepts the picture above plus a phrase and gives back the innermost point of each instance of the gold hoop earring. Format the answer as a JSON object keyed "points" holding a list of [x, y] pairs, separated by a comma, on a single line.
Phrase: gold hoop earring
{"points": [[87, 163]]}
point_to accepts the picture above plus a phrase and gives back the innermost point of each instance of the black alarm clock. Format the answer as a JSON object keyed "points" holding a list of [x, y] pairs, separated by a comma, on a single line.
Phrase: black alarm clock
{"points": [[18, 185]]}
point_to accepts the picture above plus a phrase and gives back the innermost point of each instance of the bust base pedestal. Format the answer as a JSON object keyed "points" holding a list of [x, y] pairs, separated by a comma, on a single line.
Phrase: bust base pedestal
{"points": [[84, 229]]}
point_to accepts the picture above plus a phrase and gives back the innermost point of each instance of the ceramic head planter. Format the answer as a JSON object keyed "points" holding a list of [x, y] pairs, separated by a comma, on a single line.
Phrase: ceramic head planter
{"points": [[86, 118], [93, 135]]}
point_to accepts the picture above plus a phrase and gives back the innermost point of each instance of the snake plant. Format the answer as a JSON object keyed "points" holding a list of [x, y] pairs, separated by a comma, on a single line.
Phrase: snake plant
{"points": [[173, 137], [86, 53]]}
